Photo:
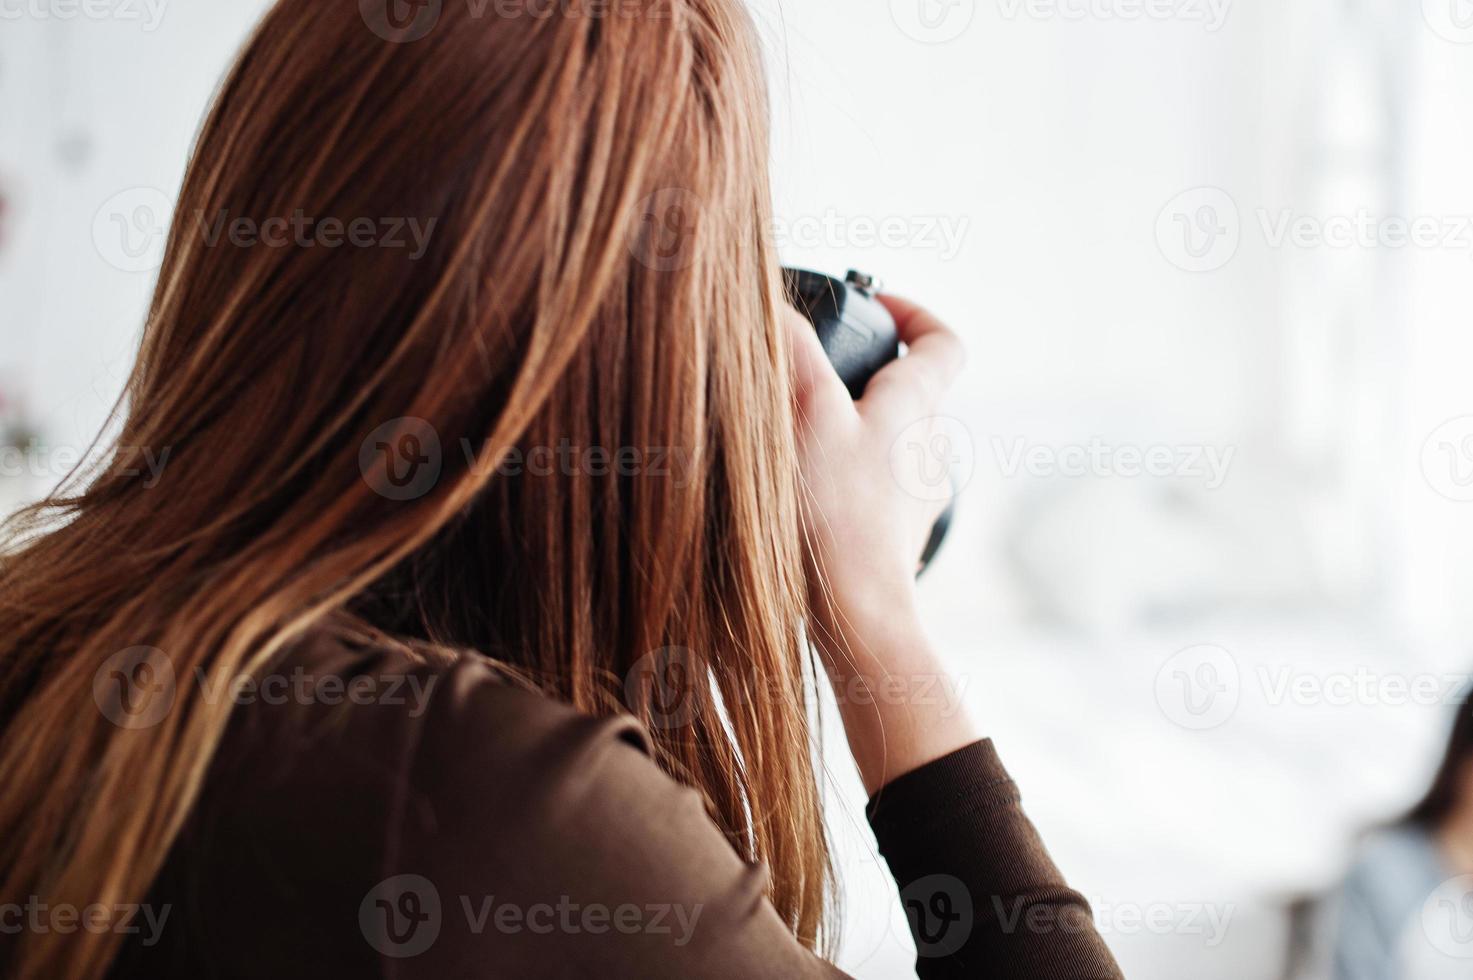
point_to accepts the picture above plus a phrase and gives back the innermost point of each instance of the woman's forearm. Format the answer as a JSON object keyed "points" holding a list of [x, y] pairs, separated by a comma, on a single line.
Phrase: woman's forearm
{"points": [[901, 708]]}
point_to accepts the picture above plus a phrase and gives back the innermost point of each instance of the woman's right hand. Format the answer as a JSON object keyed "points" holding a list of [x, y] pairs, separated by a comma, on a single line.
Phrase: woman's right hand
{"points": [[866, 523]]}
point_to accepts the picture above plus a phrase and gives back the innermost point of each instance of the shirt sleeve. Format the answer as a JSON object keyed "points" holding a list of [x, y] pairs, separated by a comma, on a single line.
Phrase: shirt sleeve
{"points": [[575, 856], [572, 856], [981, 894], [452, 825]]}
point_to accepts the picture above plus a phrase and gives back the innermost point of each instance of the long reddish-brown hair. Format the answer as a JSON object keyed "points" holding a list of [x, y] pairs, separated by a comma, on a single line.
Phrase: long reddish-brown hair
{"points": [[596, 275]]}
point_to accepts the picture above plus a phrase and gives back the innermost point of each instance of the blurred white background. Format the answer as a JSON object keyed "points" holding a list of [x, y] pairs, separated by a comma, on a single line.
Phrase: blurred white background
{"points": [[1214, 261]]}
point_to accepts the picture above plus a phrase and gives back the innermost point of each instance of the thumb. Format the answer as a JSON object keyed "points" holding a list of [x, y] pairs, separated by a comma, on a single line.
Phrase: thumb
{"points": [[816, 385]]}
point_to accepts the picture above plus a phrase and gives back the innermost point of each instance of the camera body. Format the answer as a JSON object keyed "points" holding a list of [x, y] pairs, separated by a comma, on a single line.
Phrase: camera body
{"points": [[859, 336]]}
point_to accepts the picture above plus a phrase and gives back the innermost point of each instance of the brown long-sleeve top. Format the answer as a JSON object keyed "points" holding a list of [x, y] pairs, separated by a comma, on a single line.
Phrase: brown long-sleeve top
{"points": [[369, 816]]}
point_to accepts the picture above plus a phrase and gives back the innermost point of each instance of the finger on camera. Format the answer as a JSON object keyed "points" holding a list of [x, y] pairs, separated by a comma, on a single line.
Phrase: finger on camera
{"points": [[816, 385], [940, 350]]}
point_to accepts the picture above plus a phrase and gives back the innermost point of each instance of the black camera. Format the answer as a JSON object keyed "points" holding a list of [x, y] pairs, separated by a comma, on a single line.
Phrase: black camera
{"points": [[858, 334]]}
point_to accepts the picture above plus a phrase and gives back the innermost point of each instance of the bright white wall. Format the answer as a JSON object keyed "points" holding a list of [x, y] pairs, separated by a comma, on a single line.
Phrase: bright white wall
{"points": [[1332, 548], [91, 108]]}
